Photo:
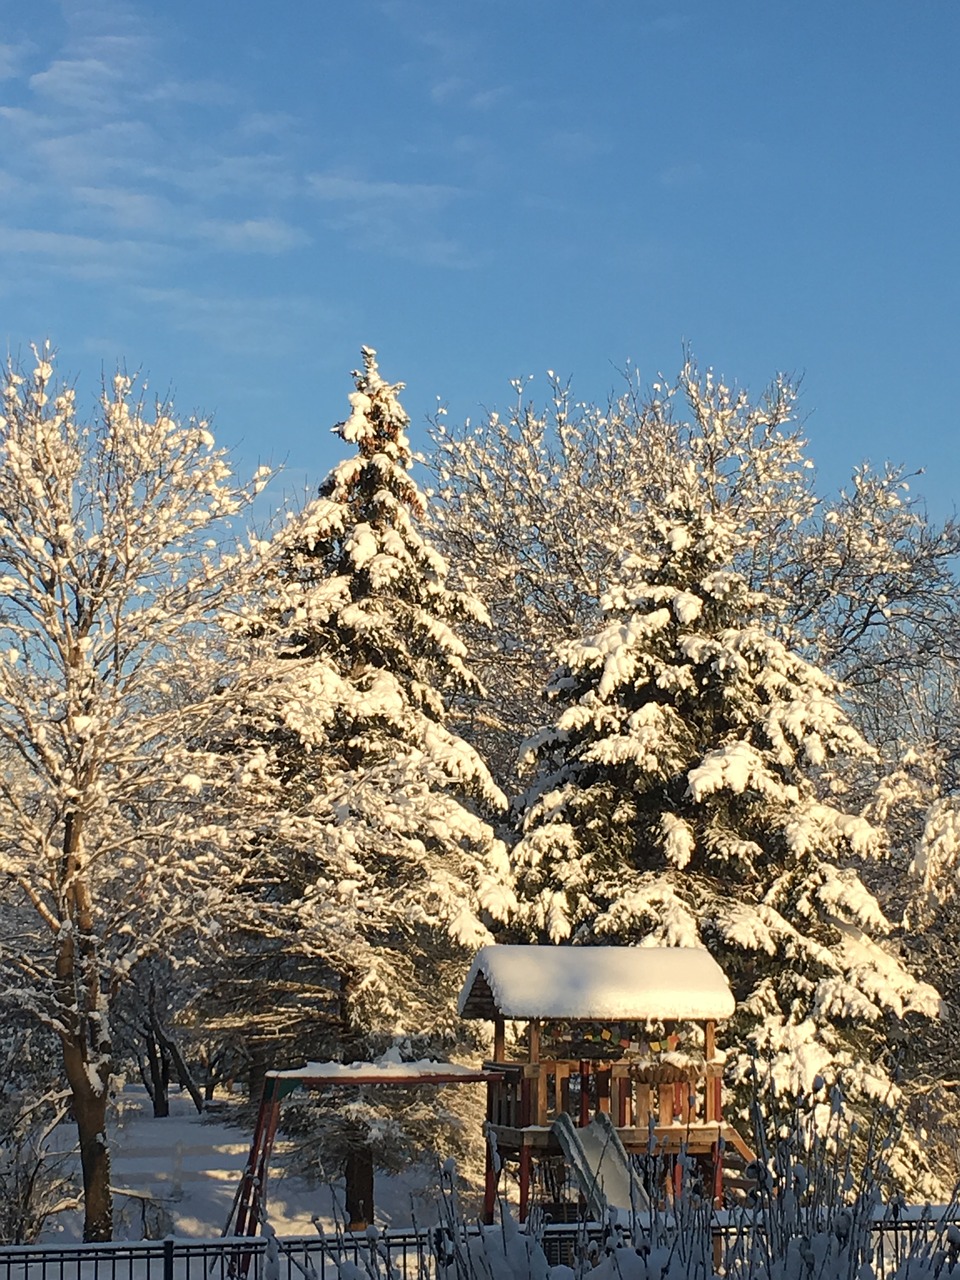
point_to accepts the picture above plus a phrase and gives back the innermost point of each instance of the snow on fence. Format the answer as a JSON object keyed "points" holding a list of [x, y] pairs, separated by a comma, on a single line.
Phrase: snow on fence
{"points": [[410, 1254], [919, 1244]]}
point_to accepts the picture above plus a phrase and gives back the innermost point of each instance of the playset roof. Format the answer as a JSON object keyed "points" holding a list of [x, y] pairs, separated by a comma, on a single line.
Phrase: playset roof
{"points": [[598, 984]]}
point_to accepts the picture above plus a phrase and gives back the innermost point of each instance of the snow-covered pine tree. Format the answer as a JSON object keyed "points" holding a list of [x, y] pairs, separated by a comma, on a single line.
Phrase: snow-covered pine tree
{"points": [[690, 792], [373, 812]]}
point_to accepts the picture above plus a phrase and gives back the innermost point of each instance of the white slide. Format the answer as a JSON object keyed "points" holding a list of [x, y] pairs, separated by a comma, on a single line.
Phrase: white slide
{"points": [[601, 1166]]}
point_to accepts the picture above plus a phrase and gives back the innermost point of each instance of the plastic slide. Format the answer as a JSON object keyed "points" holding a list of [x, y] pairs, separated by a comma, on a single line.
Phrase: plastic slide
{"points": [[601, 1166]]}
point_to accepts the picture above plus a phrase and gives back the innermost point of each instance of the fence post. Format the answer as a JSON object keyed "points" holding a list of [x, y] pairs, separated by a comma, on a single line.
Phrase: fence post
{"points": [[168, 1258]]}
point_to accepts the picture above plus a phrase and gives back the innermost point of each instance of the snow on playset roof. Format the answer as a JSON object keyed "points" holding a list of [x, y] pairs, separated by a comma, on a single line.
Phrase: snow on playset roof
{"points": [[596, 983]]}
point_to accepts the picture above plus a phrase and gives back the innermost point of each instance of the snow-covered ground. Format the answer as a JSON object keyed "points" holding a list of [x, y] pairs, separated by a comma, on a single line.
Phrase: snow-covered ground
{"points": [[188, 1166], [181, 1173]]}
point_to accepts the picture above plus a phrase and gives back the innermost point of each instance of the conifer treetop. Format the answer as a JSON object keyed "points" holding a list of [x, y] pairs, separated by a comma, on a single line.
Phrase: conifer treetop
{"points": [[356, 569]]}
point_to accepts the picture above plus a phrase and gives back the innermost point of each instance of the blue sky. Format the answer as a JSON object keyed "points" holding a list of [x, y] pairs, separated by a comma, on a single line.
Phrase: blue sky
{"points": [[233, 197]]}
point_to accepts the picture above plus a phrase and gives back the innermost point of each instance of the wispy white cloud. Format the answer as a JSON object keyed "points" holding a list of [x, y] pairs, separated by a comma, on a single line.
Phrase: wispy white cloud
{"points": [[252, 235], [84, 257], [576, 145], [102, 163], [156, 215], [82, 84], [447, 88], [69, 160], [266, 124], [365, 193], [673, 23], [208, 176], [399, 218], [121, 169], [685, 174], [129, 210], [465, 92], [12, 57], [265, 326], [486, 99], [27, 124], [189, 93]]}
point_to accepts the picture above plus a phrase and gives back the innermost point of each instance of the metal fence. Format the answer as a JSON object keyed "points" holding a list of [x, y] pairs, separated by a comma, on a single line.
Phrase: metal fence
{"points": [[412, 1254], [407, 1255]]}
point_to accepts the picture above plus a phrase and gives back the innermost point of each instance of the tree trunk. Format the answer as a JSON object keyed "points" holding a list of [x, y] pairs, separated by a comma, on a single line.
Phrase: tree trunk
{"points": [[159, 1081], [259, 1065], [85, 1034], [89, 1111], [171, 1053]]}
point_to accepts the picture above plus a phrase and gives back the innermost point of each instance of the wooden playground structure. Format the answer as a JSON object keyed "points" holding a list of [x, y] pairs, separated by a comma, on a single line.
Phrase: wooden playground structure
{"points": [[616, 1068], [588, 1051], [250, 1201]]}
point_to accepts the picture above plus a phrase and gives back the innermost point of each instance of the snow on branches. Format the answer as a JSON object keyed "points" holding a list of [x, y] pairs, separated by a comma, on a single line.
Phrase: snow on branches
{"points": [[379, 806], [688, 790], [106, 679]]}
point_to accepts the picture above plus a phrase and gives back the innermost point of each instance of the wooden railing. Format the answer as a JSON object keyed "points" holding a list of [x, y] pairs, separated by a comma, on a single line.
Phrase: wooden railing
{"points": [[535, 1093]]}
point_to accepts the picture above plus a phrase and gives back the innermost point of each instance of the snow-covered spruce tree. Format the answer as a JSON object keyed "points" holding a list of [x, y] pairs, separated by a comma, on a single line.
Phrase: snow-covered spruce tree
{"points": [[686, 794], [372, 811], [534, 507], [106, 686]]}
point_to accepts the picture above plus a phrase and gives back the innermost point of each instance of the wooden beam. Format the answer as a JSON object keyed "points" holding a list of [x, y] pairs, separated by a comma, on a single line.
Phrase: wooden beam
{"points": [[534, 1037], [710, 1041], [499, 1038], [353, 1074]]}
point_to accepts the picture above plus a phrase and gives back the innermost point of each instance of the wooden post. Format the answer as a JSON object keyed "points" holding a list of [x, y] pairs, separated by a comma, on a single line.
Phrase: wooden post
{"points": [[710, 1041], [540, 1095], [563, 1087], [489, 1184], [619, 1095], [359, 1188], [666, 1104], [534, 1036], [526, 1103], [642, 1105], [715, 1152], [499, 1039], [711, 1114], [252, 1198], [603, 1090], [584, 1093], [524, 1179]]}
